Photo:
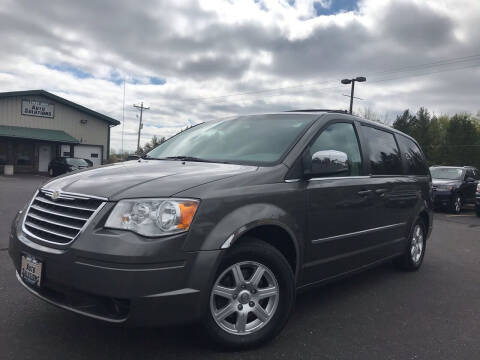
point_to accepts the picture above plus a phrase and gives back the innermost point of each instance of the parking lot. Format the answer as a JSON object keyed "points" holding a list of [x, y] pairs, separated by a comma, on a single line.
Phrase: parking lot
{"points": [[380, 314]]}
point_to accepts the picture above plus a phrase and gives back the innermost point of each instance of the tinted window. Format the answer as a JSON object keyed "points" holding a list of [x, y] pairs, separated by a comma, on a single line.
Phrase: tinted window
{"points": [[384, 155], [262, 139], [413, 156], [340, 137], [476, 174]]}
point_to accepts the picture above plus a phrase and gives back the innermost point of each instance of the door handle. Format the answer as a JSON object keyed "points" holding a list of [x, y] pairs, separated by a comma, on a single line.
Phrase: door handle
{"points": [[364, 192], [381, 191]]}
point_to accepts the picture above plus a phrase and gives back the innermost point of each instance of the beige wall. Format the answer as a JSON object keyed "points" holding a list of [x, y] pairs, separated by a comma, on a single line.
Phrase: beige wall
{"points": [[94, 132]]}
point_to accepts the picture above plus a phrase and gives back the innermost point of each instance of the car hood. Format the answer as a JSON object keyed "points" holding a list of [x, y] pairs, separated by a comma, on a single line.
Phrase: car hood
{"points": [[446, 182], [144, 178]]}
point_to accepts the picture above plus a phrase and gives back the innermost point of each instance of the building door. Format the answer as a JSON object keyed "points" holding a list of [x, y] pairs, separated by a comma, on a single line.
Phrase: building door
{"points": [[89, 152], [44, 156]]}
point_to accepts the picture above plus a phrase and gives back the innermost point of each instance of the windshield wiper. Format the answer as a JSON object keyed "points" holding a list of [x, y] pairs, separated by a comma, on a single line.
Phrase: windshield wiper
{"points": [[187, 158]]}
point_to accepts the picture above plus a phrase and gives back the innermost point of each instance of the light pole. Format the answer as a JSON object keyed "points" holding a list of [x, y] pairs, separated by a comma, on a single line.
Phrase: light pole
{"points": [[352, 81]]}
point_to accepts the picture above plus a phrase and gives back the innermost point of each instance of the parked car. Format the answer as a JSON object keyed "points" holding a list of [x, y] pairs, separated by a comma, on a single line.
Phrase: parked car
{"points": [[223, 223], [477, 200], [454, 186], [89, 162], [62, 165]]}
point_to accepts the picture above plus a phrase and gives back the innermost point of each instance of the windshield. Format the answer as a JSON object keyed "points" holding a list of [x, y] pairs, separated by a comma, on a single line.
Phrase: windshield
{"points": [[76, 162], [446, 173], [259, 140]]}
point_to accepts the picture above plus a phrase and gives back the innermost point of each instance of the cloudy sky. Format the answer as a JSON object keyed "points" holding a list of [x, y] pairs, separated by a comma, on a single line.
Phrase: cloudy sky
{"points": [[192, 61]]}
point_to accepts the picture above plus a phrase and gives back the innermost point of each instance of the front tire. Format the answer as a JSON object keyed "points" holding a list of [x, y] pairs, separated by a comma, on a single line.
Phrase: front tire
{"points": [[456, 205], [251, 297], [412, 259]]}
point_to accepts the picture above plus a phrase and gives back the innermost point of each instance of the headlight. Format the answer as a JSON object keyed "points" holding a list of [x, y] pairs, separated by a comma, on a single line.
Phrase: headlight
{"points": [[153, 217], [445, 187]]}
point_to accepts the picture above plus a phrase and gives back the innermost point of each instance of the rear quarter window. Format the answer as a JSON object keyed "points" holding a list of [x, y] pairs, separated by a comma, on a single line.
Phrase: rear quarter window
{"points": [[413, 157]]}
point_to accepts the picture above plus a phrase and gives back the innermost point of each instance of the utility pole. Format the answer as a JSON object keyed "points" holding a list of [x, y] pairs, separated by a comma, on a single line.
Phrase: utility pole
{"points": [[352, 81], [140, 124]]}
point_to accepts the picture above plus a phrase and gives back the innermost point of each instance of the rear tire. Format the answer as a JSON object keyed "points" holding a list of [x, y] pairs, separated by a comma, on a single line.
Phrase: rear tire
{"points": [[255, 286], [412, 259]]}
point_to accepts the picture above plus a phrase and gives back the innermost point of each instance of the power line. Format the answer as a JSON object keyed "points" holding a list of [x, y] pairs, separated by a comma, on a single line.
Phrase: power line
{"points": [[410, 68]]}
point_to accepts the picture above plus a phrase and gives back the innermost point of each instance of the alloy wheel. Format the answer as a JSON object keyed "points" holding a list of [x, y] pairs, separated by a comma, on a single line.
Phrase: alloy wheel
{"points": [[457, 204], [416, 248], [244, 298]]}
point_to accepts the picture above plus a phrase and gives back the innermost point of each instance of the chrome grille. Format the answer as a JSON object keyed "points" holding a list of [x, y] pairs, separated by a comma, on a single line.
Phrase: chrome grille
{"points": [[58, 217]]}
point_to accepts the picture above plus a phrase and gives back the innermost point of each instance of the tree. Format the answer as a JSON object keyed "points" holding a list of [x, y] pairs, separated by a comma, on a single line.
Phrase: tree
{"points": [[152, 144], [404, 122]]}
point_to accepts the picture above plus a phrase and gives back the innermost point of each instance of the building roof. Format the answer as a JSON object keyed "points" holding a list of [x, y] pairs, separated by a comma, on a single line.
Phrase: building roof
{"points": [[37, 134], [61, 100]]}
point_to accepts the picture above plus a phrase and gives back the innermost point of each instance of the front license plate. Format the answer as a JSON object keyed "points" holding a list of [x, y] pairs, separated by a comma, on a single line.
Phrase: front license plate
{"points": [[31, 270]]}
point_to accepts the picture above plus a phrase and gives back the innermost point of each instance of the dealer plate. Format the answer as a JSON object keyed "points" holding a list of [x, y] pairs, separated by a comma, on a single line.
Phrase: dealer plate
{"points": [[31, 270]]}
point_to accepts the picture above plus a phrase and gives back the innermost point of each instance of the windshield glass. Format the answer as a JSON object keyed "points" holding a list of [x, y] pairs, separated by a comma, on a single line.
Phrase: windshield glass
{"points": [[446, 173], [259, 140], [76, 162]]}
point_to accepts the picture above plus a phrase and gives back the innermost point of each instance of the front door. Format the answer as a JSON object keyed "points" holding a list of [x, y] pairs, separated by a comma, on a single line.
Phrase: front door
{"points": [[44, 156], [342, 210]]}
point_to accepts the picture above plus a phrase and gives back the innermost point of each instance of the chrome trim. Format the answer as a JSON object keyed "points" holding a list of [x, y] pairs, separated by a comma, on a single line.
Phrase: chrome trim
{"points": [[367, 231], [292, 180], [87, 222], [41, 228], [65, 307], [81, 196], [339, 178], [65, 205], [40, 218], [48, 211]]}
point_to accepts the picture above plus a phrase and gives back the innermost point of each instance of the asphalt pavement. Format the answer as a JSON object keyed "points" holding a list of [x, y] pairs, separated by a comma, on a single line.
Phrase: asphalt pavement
{"points": [[380, 314]]}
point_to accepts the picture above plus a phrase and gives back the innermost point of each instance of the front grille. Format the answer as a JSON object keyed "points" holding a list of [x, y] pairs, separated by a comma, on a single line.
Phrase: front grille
{"points": [[59, 217]]}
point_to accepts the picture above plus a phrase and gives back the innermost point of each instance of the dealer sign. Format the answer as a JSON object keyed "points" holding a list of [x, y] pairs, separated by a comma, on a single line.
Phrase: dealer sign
{"points": [[37, 108]]}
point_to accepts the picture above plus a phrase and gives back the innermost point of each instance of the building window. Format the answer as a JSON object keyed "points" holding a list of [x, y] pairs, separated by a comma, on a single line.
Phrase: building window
{"points": [[66, 153], [94, 155], [24, 154], [3, 152]]}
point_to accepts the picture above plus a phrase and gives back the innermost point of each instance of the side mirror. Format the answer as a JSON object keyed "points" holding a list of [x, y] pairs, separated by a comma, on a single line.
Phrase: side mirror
{"points": [[327, 162]]}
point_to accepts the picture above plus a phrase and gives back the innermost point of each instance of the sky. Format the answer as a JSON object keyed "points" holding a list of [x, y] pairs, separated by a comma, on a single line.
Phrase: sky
{"points": [[197, 60]]}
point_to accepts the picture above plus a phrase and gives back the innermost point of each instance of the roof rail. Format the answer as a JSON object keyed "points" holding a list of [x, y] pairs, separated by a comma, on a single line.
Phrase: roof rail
{"points": [[319, 110]]}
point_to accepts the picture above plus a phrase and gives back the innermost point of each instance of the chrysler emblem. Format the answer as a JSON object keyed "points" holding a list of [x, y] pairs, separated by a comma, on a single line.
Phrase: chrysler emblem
{"points": [[55, 195]]}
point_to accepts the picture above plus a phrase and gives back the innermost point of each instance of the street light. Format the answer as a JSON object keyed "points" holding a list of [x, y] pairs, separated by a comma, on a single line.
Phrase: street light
{"points": [[352, 81]]}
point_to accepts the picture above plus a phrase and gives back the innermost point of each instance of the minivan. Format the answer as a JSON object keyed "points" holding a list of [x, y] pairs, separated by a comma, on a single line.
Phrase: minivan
{"points": [[225, 222]]}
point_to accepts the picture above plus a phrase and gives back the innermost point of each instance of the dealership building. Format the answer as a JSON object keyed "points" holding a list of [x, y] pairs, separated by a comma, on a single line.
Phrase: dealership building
{"points": [[37, 126]]}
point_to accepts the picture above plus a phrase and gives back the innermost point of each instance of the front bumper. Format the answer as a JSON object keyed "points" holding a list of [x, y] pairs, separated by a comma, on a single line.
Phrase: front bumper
{"points": [[152, 284], [442, 198]]}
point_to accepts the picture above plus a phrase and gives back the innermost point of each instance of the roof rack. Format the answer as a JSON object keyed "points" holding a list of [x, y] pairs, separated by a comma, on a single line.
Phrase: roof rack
{"points": [[319, 110]]}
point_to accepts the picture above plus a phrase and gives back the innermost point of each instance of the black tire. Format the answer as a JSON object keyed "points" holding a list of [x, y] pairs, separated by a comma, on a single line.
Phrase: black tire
{"points": [[456, 204], [407, 261], [252, 251]]}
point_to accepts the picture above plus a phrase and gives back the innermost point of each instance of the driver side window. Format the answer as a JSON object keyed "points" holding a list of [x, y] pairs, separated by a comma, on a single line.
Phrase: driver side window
{"points": [[340, 137]]}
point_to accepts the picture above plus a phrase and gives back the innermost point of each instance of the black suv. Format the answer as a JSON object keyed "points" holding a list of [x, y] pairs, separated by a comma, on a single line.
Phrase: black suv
{"points": [[454, 186], [223, 223]]}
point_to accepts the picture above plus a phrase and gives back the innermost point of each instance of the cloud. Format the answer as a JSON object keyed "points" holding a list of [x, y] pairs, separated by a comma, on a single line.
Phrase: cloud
{"points": [[183, 57]]}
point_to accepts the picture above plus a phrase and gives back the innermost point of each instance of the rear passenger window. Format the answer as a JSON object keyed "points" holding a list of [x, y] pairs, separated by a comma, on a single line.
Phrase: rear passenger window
{"points": [[340, 137], [384, 155], [414, 159]]}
